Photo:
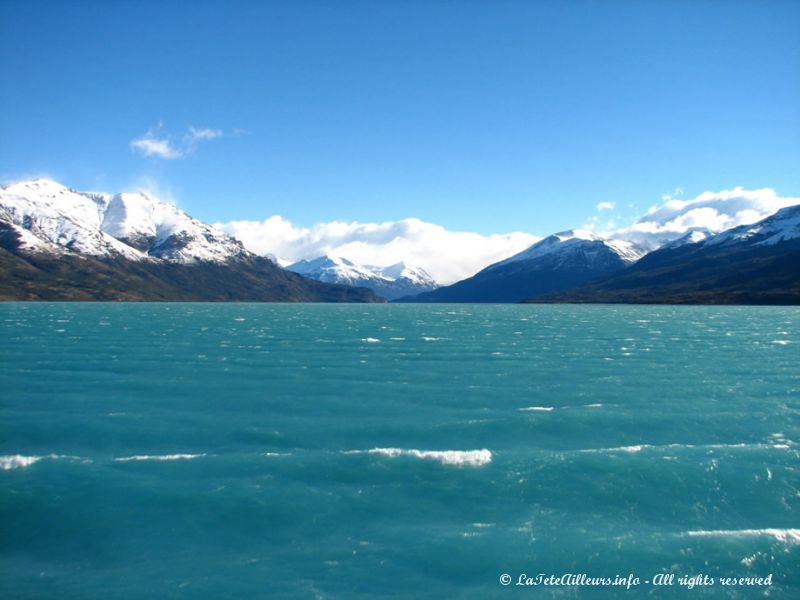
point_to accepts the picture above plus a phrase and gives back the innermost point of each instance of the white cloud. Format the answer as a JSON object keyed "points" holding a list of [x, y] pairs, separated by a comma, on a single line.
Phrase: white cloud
{"points": [[676, 193], [447, 255], [454, 255], [149, 145], [715, 211], [596, 223], [203, 134], [605, 206], [155, 144]]}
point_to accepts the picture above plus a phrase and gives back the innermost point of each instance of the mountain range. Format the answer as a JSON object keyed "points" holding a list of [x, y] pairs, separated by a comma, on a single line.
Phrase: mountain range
{"points": [[560, 261], [750, 264], [60, 244], [390, 282]]}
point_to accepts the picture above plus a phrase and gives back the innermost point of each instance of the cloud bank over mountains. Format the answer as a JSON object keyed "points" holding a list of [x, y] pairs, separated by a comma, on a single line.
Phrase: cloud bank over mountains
{"points": [[450, 256], [447, 255], [712, 211]]}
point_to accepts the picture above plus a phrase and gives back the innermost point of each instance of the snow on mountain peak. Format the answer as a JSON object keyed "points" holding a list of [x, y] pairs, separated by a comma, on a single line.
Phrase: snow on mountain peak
{"points": [[49, 217], [569, 241], [576, 234], [334, 269], [163, 230], [278, 260], [782, 226], [401, 270], [129, 217], [390, 282], [43, 187], [693, 236]]}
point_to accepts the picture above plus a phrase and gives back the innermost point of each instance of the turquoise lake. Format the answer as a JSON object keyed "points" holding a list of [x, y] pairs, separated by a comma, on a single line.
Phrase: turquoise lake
{"points": [[246, 451]]}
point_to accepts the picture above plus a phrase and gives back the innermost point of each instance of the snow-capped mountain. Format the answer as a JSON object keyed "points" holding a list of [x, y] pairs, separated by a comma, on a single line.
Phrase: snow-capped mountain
{"points": [[416, 276], [693, 236], [568, 244], [51, 218], [164, 231], [333, 269], [278, 260], [750, 264], [560, 261], [60, 244], [389, 282], [783, 226]]}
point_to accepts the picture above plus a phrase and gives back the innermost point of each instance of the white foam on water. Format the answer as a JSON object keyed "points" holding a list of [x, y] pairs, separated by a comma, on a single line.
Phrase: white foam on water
{"points": [[537, 409], [748, 561], [782, 535], [370, 340], [632, 449], [465, 458], [629, 449], [159, 457], [277, 453], [18, 461], [430, 339], [595, 405], [739, 446], [781, 342]]}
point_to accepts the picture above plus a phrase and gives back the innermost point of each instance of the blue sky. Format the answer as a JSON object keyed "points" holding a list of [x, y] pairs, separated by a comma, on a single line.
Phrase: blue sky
{"points": [[480, 116]]}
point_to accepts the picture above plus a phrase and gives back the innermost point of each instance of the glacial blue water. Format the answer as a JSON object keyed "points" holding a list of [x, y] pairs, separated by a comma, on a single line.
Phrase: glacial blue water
{"points": [[248, 451]]}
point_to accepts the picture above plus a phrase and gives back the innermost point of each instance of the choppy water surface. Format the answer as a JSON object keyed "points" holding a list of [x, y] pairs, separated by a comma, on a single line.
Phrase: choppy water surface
{"points": [[413, 451]]}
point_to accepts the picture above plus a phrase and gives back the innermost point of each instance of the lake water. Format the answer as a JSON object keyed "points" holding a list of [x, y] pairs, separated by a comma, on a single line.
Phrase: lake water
{"points": [[410, 451]]}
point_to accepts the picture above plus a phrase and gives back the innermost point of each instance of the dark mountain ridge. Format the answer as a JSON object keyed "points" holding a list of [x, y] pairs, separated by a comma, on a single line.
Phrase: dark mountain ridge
{"points": [[751, 264]]}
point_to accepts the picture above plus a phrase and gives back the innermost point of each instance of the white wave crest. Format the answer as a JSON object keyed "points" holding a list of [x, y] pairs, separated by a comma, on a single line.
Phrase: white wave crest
{"points": [[159, 457], [787, 444], [782, 535], [536, 409], [629, 449], [465, 458], [18, 461], [370, 340]]}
